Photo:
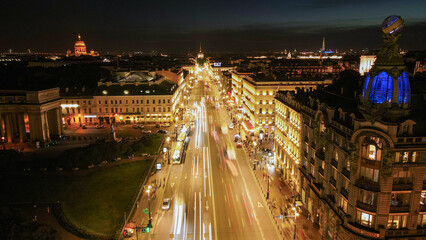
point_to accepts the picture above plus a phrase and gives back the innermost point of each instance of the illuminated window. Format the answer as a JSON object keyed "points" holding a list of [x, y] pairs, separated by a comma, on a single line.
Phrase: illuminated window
{"points": [[423, 198], [372, 152], [421, 222], [370, 174], [344, 204], [397, 221], [365, 219], [367, 197]]}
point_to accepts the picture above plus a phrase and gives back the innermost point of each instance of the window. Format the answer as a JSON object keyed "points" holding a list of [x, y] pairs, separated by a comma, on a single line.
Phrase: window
{"points": [[400, 199], [372, 152], [115, 101], [112, 110], [401, 177], [344, 204], [99, 101], [168, 109], [365, 219], [133, 101], [78, 110], [423, 198], [421, 222], [367, 197], [120, 103], [345, 184], [121, 110], [106, 102], [153, 109], [405, 157], [147, 109], [78, 102], [106, 110], [142, 101], [90, 110], [127, 109], [153, 101], [260, 101], [168, 100], [127, 101], [164, 101], [147, 101], [260, 92], [397, 221], [260, 110], [89, 102], [164, 109], [137, 101], [370, 174]]}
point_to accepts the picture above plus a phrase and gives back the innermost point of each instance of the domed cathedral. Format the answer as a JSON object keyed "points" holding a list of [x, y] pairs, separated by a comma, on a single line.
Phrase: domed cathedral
{"points": [[80, 49], [359, 168]]}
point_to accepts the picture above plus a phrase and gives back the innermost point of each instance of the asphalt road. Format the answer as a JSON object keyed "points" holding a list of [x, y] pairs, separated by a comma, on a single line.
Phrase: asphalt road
{"points": [[213, 197]]}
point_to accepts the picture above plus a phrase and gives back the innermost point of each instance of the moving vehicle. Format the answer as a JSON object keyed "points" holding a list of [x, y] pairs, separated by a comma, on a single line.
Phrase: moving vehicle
{"points": [[166, 204], [165, 125], [231, 126], [100, 126], [84, 127], [177, 154], [141, 126], [135, 126], [157, 125], [146, 131], [162, 131], [239, 144]]}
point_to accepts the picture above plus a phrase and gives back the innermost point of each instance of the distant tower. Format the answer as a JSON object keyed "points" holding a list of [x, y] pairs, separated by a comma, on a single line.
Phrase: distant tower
{"points": [[200, 54], [323, 45]]}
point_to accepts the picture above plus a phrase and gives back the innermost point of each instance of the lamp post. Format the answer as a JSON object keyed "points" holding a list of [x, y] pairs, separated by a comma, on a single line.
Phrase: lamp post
{"points": [[149, 207], [267, 173], [295, 216]]}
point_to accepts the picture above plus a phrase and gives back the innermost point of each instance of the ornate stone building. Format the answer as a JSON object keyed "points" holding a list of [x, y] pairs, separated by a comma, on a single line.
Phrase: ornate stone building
{"points": [[358, 164]]}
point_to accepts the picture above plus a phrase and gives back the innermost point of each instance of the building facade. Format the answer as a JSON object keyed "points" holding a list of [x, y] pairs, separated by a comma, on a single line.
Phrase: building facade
{"points": [[30, 115], [358, 165]]}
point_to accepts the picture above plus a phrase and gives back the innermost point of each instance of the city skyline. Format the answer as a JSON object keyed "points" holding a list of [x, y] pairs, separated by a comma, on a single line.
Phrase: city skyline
{"points": [[273, 26]]}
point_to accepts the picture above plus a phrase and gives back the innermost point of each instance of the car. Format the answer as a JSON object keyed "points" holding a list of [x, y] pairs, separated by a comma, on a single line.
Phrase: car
{"points": [[231, 125], [161, 131], [146, 131], [135, 126], [84, 127], [239, 144], [166, 204], [165, 125], [157, 125], [100, 126], [141, 126]]}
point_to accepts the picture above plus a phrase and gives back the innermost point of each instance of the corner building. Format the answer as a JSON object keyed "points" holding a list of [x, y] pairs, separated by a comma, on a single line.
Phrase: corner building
{"points": [[358, 164]]}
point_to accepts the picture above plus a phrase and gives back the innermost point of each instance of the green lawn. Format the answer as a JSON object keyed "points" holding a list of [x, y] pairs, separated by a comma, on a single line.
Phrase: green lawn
{"points": [[95, 202]]}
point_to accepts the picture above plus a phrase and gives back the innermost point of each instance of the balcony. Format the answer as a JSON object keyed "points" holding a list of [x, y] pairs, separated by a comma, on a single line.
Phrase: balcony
{"points": [[370, 163], [344, 192], [331, 198], [333, 181], [397, 209], [367, 184], [321, 171], [402, 186], [346, 172], [422, 208], [306, 139], [320, 155], [365, 206], [334, 163], [318, 187], [362, 230]]}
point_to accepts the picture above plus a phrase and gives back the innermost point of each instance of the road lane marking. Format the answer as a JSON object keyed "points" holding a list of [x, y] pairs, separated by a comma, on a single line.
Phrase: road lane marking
{"points": [[222, 179], [259, 205], [248, 212], [208, 171], [195, 212], [204, 170], [235, 207], [229, 222], [232, 179], [225, 198], [242, 221], [214, 204], [236, 198], [199, 193]]}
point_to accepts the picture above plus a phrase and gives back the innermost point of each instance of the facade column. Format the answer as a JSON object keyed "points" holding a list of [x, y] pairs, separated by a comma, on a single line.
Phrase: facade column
{"points": [[1, 127], [46, 126], [9, 127], [37, 126], [21, 127], [55, 124]]}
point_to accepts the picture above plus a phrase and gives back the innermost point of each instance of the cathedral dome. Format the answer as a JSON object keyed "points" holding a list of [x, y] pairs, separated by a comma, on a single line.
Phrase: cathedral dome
{"points": [[79, 42], [381, 88]]}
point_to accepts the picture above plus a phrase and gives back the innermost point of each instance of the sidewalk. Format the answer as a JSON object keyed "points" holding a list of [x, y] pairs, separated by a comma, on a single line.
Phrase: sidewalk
{"points": [[280, 197]]}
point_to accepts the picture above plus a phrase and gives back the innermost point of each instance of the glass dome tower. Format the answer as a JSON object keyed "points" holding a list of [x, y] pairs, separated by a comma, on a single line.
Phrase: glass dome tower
{"points": [[386, 89]]}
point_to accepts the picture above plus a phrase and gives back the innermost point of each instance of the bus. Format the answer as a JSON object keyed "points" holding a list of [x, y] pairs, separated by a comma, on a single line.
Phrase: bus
{"points": [[181, 137], [177, 154]]}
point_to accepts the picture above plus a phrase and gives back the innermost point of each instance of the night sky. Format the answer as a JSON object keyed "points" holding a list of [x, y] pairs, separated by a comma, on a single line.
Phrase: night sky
{"points": [[179, 26]]}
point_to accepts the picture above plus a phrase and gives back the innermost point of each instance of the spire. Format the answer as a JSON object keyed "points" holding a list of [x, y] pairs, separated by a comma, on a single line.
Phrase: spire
{"points": [[323, 44], [79, 37], [200, 46]]}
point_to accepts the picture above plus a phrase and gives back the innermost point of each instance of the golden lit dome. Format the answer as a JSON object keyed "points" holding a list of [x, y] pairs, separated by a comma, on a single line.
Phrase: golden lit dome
{"points": [[80, 47]]}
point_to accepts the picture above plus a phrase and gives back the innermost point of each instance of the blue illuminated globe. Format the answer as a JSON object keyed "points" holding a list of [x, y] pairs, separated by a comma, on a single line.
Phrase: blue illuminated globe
{"points": [[392, 25]]}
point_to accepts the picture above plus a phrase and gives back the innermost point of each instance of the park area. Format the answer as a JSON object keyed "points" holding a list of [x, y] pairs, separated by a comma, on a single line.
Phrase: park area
{"points": [[93, 200]]}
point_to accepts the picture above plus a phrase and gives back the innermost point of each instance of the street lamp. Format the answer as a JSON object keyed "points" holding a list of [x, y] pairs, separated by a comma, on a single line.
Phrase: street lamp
{"points": [[267, 173], [295, 216], [149, 207]]}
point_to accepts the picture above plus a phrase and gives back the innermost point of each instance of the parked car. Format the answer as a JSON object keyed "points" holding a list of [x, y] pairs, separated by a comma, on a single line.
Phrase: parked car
{"points": [[231, 125], [100, 126], [146, 131], [84, 127], [141, 126], [166, 204], [135, 126], [157, 125], [162, 131], [165, 125]]}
